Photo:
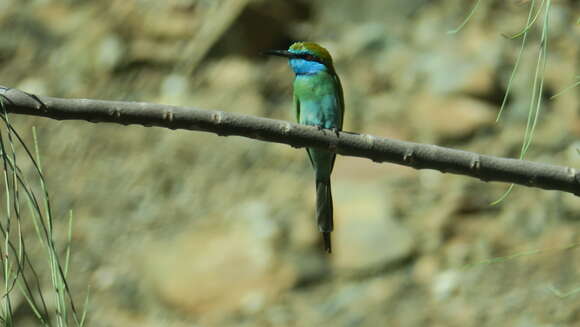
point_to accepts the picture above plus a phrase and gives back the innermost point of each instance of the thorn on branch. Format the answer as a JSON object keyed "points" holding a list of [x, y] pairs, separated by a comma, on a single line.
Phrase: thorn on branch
{"points": [[409, 155], [475, 164]]}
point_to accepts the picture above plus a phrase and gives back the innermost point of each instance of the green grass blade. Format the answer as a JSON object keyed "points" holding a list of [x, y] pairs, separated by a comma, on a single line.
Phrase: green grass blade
{"points": [[561, 294], [529, 24], [520, 255], [568, 88], [537, 86], [516, 65], [538, 80], [467, 19]]}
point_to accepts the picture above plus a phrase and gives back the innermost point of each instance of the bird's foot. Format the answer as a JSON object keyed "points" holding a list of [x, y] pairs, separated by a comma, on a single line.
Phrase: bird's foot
{"points": [[336, 131]]}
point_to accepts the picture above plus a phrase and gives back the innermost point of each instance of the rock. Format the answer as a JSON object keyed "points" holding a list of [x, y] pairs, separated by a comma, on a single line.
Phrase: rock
{"points": [[442, 117], [175, 89], [362, 38], [425, 268], [366, 235], [109, 53], [217, 268], [456, 64], [232, 80], [233, 73], [445, 284], [33, 85]]}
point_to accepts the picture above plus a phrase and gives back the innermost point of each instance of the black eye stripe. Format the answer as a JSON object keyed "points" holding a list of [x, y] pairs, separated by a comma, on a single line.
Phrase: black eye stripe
{"points": [[309, 57]]}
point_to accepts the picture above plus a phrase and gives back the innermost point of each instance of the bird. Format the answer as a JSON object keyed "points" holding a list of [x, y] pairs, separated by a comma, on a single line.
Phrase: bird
{"points": [[318, 101]]}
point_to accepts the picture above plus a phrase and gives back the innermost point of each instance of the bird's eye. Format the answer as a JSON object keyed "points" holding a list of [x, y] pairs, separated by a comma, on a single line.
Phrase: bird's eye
{"points": [[309, 57]]}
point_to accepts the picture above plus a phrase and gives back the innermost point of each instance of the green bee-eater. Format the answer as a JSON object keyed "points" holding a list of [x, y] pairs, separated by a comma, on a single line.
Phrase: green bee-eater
{"points": [[318, 101]]}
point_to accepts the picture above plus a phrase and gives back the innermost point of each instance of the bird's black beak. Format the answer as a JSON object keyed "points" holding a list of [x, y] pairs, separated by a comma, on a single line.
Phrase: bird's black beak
{"points": [[279, 53]]}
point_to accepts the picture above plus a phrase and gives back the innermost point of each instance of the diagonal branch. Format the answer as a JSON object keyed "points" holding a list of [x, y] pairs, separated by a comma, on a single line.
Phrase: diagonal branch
{"points": [[378, 149]]}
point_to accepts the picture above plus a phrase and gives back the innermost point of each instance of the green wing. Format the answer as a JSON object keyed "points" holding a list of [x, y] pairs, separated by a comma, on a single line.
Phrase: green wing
{"points": [[297, 109], [340, 98]]}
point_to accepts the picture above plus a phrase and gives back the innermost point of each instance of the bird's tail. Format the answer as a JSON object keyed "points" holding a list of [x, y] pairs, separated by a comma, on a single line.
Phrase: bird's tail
{"points": [[324, 211]]}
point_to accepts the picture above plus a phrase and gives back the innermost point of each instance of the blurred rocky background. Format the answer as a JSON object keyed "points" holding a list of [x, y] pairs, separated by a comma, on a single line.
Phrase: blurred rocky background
{"points": [[176, 228]]}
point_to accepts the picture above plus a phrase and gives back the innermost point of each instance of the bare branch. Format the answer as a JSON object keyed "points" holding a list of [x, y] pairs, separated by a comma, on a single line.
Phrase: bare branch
{"points": [[378, 149]]}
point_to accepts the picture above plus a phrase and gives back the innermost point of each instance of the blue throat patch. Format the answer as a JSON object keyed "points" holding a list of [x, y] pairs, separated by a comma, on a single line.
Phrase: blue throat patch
{"points": [[306, 67]]}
